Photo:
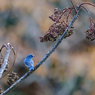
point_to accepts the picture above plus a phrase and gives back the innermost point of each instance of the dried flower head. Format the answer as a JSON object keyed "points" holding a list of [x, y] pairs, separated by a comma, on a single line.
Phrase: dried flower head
{"points": [[55, 31], [90, 33], [60, 25], [13, 77], [57, 15]]}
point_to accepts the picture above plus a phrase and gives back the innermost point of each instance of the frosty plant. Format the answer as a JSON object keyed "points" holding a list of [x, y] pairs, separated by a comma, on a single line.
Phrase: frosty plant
{"points": [[62, 26]]}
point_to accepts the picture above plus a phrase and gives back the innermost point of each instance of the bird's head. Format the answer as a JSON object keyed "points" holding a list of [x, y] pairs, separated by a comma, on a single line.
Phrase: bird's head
{"points": [[30, 56]]}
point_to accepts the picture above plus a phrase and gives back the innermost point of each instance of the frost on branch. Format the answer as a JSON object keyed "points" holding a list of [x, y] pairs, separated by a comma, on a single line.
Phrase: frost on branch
{"points": [[5, 60]]}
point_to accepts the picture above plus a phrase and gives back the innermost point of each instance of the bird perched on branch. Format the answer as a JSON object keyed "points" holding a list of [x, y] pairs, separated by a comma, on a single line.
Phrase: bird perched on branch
{"points": [[29, 62]]}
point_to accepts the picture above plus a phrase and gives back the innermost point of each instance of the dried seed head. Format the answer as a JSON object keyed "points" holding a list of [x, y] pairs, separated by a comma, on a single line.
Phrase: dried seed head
{"points": [[12, 78], [90, 33], [59, 26], [55, 31]]}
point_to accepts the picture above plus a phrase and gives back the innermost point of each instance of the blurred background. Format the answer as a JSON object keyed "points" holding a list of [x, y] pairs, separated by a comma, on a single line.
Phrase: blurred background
{"points": [[70, 70]]}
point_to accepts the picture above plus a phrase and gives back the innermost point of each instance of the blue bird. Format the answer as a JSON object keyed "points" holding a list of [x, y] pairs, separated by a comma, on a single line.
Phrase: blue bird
{"points": [[29, 62]]}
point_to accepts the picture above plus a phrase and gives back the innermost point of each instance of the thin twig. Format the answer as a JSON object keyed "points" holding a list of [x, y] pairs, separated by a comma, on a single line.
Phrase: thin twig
{"points": [[87, 4], [73, 6], [43, 59]]}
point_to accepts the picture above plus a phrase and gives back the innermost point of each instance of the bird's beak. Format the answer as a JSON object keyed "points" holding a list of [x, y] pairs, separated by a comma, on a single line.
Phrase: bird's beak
{"points": [[33, 56]]}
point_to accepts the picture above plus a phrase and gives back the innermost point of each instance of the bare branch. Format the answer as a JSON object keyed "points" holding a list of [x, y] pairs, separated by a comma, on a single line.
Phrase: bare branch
{"points": [[43, 59], [9, 48]]}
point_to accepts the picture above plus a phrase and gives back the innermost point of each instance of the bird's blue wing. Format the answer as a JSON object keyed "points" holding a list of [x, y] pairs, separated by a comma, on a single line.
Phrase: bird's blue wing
{"points": [[28, 63]]}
